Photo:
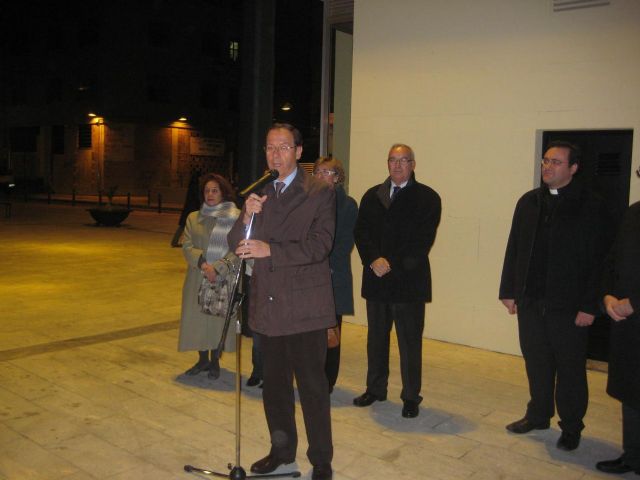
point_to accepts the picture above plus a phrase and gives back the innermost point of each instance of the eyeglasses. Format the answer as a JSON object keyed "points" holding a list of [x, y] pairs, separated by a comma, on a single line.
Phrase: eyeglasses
{"points": [[284, 148], [404, 161], [324, 173], [553, 161]]}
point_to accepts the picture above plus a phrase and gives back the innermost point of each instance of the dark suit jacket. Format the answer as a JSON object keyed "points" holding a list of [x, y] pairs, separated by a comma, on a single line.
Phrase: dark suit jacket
{"points": [[577, 248], [403, 233], [291, 290], [622, 280]]}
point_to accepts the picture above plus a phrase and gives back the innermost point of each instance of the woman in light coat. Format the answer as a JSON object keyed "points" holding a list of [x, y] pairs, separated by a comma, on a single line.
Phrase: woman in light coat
{"points": [[207, 254]]}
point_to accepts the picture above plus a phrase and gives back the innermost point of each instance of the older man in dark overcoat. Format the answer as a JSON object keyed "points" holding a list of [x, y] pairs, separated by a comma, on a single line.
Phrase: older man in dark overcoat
{"points": [[291, 303], [395, 230], [622, 301]]}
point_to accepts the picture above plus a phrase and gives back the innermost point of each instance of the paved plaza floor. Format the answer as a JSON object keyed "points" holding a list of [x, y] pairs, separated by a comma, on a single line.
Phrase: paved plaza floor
{"points": [[91, 383]]}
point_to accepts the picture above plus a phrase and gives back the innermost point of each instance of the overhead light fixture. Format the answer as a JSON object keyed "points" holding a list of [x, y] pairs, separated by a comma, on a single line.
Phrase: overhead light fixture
{"points": [[92, 115], [286, 106], [182, 119]]}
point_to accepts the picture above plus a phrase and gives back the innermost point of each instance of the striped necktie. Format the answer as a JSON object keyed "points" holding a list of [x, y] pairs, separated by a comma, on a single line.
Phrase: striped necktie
{"points": [[279, 187]]}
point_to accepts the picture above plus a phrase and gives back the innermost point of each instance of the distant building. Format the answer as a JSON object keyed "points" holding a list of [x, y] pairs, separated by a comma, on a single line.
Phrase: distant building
{"points": [[160, 80]]}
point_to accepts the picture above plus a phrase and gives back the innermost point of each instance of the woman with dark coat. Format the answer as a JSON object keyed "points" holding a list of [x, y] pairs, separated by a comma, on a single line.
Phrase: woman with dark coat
{"points": [[330, 170], [622, 301]]}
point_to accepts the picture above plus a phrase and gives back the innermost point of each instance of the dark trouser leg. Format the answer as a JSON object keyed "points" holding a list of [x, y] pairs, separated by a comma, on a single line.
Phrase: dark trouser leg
{"points": [[256, 357], [409, 321], [203, 356], [631, 436], [332, 364], [380, 321], [569, 344], [539, 362], [308, 353], [277, 397]]}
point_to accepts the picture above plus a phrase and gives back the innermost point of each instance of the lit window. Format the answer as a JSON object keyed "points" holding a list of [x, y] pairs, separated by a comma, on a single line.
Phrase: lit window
{"points": [[233, 50]]}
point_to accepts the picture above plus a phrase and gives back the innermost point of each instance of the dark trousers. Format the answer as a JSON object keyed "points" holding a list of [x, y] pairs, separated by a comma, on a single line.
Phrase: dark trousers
{"points": [[631, 436], [256, 355], [555, 352], [301, 355], [332, 363], [409, 323]]}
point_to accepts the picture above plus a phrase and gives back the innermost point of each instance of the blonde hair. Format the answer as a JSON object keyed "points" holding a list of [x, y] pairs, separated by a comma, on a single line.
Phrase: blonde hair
{"points": [[332, 163]]}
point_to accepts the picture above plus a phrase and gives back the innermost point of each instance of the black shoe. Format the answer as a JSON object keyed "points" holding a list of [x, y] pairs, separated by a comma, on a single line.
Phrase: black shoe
{"points": [[253, 381], [568, 441], [367, 399], [322, 472], [524, 425], [197, 368], [268, 464], [214, 369], [410, 409], [615, 466]]}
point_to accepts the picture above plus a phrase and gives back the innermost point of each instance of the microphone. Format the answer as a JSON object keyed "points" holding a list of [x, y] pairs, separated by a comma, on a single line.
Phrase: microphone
{"points": [[261, 182]]}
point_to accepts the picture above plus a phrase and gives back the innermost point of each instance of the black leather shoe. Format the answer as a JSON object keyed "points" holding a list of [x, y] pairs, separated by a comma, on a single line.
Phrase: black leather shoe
{"points": [[322, 472], [524, 425], [268, 464], [410, 409], [253, 381], [615, 466], [367, 399], [197, 368], [568, 441]]}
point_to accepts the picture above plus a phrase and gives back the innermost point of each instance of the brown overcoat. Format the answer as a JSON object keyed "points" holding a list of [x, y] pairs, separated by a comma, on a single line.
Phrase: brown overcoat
{"points": [[291, 290]]}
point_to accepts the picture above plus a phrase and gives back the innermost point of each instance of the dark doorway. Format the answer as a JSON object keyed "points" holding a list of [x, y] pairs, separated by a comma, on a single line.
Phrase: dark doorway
{"points": [[606, 168]]}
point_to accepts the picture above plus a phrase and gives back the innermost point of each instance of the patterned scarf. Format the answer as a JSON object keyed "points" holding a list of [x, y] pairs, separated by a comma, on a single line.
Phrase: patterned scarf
{"points": [[225, 214]]}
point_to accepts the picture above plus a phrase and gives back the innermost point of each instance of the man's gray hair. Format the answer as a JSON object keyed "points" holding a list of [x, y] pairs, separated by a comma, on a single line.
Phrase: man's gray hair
{"points": [[412, 156]]}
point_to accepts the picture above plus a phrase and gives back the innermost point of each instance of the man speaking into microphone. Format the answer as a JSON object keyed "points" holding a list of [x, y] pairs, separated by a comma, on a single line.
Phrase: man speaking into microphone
{"points": [[291, 303]]}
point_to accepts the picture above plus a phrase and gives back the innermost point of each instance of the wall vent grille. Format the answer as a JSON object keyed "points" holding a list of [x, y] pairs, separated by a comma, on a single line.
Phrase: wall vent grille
{"points": [[564, 5]]}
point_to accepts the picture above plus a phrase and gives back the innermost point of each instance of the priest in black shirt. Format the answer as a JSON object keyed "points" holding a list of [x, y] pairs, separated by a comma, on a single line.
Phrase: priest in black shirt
{"points": [[550, 279]]}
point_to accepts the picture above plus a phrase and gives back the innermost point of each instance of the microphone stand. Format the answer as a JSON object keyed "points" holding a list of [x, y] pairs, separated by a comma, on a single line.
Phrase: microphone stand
{"points": [[236, 472]]}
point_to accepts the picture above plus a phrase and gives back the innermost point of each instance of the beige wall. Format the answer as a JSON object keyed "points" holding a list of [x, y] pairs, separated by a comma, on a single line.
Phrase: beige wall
{"points": [[469, 84]]}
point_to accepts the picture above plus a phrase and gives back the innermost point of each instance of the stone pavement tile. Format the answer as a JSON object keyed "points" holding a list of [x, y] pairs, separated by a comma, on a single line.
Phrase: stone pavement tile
{"points": [[543, 448], [125, 433], [47, 366], [72, 404], [423, 462], [504, 463], [448, 445], [102, 392], [148, 385], [150, 472], [14, 406], [19, 336], [153, 414], [8, 435], [92, 454], [376, 445], [23, 459], [482, 433], [48, 428], [25, 383], [171, 457], [368, 466]]}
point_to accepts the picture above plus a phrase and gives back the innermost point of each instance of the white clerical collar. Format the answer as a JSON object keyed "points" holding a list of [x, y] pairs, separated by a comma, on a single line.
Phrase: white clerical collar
{"points": [[554, 191]]}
